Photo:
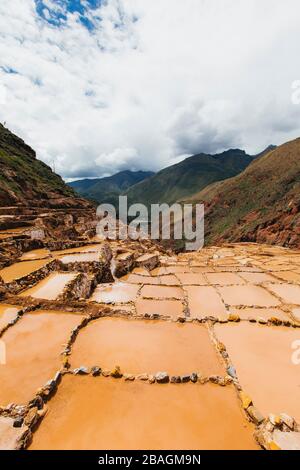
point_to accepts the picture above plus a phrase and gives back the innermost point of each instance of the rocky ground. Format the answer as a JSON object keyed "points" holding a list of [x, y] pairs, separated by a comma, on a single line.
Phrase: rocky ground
{"points": [[118, 344]]}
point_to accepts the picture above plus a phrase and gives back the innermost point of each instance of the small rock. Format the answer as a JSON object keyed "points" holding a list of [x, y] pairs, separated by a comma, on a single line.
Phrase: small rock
{"points": [[106, 373], [255, 415], [116, 373], [275, 419], [221, 347], [32, 417], [81, 371], [143, 377], [162, 377], [129, 377], [37, 402], [288, 421], [252, 320], [175, 379], [181, 319], [18, 423], [185, 378], [232, 372], [234, 318], [228, 379], [95, 371], [246, 400], [262, 321], [275, 321], [194, 377], [65, 363], [151, 379]]}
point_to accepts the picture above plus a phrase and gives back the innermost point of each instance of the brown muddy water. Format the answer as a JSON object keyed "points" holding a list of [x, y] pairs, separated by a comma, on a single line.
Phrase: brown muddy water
{"points": [[50, 287], [18, 270], [139, 346], [262, 356], [8, 313], [33, 347], [96, 413]]}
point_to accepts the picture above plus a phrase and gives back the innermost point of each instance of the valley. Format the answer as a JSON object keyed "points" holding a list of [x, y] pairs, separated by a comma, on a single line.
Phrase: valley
{"points": [[111, 344]]}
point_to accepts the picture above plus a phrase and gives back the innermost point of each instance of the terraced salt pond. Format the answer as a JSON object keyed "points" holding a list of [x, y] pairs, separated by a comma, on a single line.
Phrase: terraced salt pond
{"points": [[262, 356], [117, 415], [21, 269], [119, 292], [140, 346], [8, 313], [33, 347], [80, 257], [50, 287]]}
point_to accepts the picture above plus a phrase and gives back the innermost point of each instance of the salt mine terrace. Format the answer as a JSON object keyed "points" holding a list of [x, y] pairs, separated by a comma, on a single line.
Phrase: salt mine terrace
{"points": [[152, 335]]}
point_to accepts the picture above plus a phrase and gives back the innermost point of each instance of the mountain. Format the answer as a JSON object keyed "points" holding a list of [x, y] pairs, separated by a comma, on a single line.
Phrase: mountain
{"points": [[27, 181], [179, 181], [264, 152], [262, 204], [107, 190]]}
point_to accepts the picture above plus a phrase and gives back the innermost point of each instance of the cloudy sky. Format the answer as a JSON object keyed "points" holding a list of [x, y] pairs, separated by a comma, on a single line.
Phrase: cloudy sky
{"points": [[98, 86]]}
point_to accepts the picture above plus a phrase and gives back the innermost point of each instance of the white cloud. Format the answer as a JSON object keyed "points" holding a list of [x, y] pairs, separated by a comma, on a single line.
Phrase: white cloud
{"points": [[152, 82]]}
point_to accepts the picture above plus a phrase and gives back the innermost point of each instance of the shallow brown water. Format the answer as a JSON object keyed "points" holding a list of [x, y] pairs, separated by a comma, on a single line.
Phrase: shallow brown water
{"points": [[99, 413], [262, 356], [33, 349], [139, 346], [50, 287], [18, 270]]}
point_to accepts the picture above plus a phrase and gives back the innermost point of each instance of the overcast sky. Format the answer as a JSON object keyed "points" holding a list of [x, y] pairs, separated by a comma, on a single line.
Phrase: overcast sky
{"points": [[102, 86]]}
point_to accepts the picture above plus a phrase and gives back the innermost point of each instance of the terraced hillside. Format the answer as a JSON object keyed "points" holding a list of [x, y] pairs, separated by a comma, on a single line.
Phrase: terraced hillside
{"points": [[25, 180]]}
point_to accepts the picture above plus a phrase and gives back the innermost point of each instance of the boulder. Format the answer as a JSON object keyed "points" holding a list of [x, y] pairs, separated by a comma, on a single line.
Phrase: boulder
{"points": [[116, 373], [162, 377], [82, 370], [175, 379], [95, 371], [255, 415]]}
